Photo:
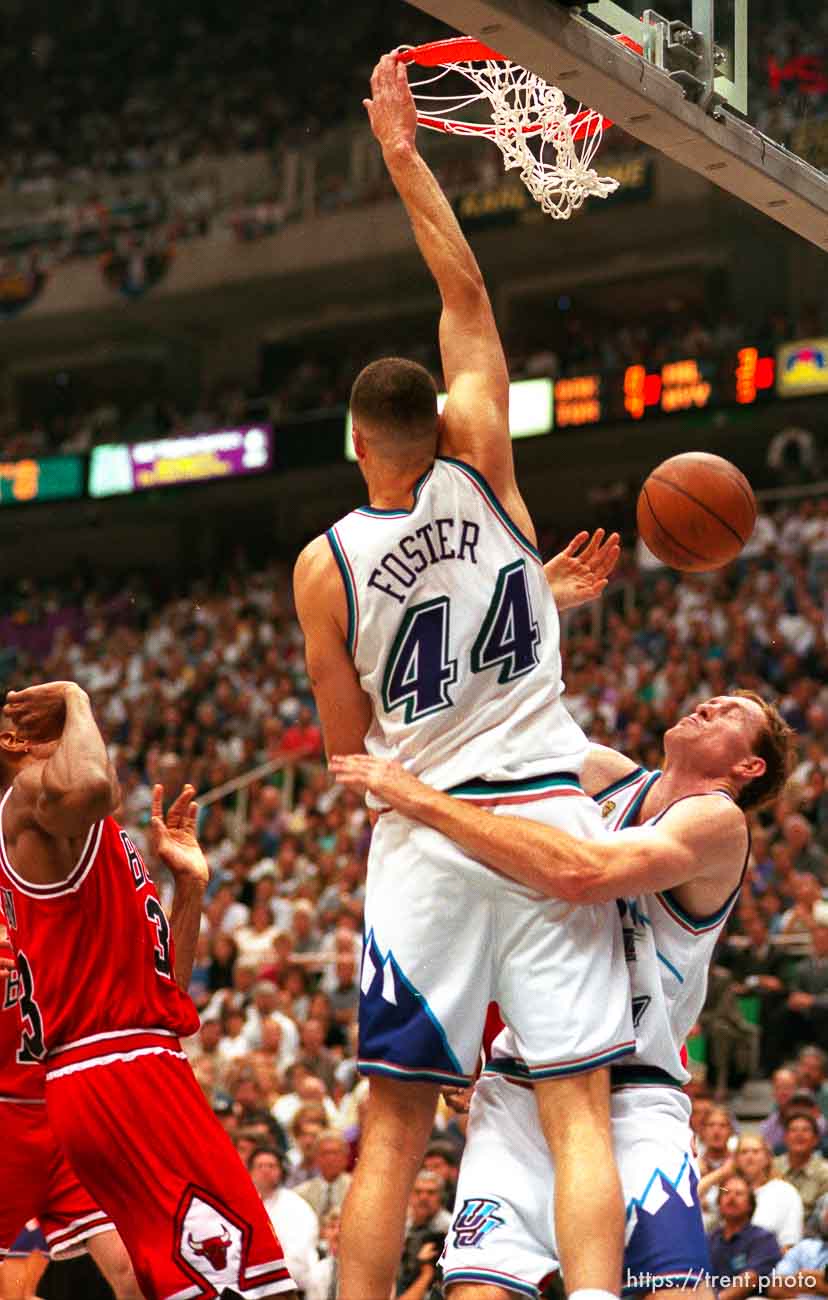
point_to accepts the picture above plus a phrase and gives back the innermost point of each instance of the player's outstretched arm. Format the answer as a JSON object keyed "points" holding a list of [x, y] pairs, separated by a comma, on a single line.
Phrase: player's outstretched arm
{"points": [[475, 424], [555, 863], [321, 607], [77, 785], [174, 841]]}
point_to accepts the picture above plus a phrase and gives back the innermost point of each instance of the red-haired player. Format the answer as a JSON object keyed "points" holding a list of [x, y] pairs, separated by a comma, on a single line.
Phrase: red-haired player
{"points": [[103, 978]]}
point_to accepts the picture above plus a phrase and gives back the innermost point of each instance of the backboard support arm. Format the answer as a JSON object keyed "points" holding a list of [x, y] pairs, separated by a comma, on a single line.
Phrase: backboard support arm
{"points": [[571, 52]]}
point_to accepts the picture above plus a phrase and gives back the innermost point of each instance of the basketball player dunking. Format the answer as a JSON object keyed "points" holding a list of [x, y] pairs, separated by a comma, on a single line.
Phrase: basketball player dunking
{"points": [[102, 995], [431, 637], [675, 863]]}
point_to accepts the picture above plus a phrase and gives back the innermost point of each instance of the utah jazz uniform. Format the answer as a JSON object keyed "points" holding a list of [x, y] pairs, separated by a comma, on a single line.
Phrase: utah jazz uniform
{"points": [[455, 638], [503, 1229]]}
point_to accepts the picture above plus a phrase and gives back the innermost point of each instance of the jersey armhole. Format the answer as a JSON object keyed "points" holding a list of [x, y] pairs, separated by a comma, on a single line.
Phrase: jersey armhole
{"points": [[688, 920], [482, 486], [616, 786], [349, 582]]}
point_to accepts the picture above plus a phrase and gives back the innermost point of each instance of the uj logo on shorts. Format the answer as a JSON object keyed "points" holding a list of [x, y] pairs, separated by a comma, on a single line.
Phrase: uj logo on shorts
{"points": [[477, 1218]]}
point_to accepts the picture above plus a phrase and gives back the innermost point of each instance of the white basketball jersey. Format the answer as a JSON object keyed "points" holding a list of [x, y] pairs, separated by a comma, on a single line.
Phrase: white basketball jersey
{"points": [[455, 636], [668, 954], [668, 951]]}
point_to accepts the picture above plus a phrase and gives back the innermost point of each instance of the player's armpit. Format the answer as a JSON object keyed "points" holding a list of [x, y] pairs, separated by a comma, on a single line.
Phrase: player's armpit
{"points": [[344, 708], [603, 767]]}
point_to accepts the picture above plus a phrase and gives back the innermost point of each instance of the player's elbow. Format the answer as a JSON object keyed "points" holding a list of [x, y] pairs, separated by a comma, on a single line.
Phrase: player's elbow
{"points": [[72, 810], [466, 292], [581, 883]]}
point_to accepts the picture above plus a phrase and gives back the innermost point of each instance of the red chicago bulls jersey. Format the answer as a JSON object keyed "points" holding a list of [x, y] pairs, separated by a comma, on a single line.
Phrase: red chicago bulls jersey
{"points": [[94, 952], [22, 1076]]}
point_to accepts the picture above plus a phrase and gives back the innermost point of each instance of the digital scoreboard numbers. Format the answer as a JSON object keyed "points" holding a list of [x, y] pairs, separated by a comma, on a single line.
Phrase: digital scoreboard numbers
{"points": [[44, 478], [578, 401]]}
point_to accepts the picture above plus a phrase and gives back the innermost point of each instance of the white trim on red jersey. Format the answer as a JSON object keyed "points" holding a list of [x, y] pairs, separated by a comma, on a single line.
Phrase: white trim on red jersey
{"points": [[76, 876]]}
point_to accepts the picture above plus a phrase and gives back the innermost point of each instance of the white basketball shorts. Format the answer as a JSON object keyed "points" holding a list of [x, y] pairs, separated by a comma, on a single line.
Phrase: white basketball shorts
{"points": [[503, 1230], [446, 936]]}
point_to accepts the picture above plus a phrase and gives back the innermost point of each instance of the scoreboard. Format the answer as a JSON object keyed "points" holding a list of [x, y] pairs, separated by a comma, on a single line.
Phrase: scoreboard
{"points": [[687, 384]]}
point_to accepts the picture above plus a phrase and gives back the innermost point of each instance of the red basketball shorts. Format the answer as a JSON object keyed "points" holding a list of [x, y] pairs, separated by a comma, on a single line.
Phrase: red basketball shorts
{"points": [[138, 1130], [37, 1183]]}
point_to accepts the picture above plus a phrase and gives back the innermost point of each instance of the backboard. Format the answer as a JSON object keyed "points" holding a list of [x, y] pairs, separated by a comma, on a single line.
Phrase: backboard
{"points": [[686, 95]]}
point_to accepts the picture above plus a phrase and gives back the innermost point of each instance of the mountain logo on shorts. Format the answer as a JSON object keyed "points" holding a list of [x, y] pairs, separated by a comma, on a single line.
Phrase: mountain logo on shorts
{"points": [[398, 1032], [477, 1218]]}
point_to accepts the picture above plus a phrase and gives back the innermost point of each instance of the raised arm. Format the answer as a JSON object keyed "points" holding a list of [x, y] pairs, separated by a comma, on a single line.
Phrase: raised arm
{"points": [[693, 842], [76, 786], [173, 840], [475, 424], [321, 606]]}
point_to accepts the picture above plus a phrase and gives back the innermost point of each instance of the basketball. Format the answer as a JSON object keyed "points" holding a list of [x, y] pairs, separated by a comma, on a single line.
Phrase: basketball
{"points": [[696, 511]]}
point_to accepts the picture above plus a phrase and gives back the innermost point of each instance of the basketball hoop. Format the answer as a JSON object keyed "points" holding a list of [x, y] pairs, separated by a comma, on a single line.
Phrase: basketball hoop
{"points": [[558, 174]]}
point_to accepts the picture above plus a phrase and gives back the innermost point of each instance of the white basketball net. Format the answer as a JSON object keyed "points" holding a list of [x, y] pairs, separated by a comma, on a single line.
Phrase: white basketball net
{"points": [[558, 171]]}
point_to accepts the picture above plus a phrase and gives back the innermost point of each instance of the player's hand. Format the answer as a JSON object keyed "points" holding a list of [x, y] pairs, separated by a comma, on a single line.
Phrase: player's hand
{"points": [[391, 109], [173, 838], [39, 712], [580, 572], [458, 1099], [386, 779], [427, 1255]]}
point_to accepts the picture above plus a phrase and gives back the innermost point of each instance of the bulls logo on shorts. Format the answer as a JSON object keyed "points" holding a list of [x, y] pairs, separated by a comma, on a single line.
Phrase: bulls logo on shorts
{"points": [[211, 1244]]}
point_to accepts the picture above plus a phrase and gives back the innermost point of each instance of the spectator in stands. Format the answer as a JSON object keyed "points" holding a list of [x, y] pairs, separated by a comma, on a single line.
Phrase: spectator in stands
{"points": [[426, 1227], [308, 1123], [344, 995], [255, 940], [327, 1190], [716, 1164], [265, 1006], [293, 1219], [807, 855], [758, 969], [801, 1166], [772, 1129], [306, 1089], [810, 1072], [206, 1043], [799, 919], [324, 1276], [314, 1055], [738, 1249], [305, 937], [442, 1158], [778, 1205], [805, 1017], [223, 954], [733, 1042], [808, 1261]]}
